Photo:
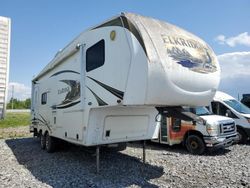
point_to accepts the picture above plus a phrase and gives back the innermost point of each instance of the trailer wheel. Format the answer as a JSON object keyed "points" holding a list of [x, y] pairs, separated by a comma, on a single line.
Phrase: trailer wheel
{"points": [[50, 143], [195, 144], [42, 141], [120, 147], [242, 136]]}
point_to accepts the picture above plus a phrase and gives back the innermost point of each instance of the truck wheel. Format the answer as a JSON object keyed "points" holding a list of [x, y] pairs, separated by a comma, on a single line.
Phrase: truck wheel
{"points": [[42, 141], [50, 143], [195, 144], [242, 136]]}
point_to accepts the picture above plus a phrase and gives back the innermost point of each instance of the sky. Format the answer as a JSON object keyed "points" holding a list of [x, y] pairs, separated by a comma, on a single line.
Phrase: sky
{"points": [[40, 28]]}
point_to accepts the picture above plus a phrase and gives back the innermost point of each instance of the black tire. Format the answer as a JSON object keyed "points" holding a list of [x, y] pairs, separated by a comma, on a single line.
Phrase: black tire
{"points": [[35, 133], [42, 141], [50, 143], [242, 136], [195, 144], [119, 147]]}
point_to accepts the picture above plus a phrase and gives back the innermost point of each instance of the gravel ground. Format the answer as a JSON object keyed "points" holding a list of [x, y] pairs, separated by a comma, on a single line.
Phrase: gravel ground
{"points": [[24, 164]]}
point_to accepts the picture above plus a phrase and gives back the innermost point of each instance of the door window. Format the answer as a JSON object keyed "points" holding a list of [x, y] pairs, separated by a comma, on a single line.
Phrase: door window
{"points": [[44, 98], [220, 109], [215, 107], [176, 125]]}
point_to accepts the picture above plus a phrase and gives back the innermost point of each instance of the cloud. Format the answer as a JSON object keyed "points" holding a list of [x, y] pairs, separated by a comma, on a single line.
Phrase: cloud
{"points": [[241, 39], [220, 39], [234, 64], [235, 72], [19, 90]]}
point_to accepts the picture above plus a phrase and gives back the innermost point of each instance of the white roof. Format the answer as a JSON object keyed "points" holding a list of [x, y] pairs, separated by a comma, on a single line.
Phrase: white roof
{"points": [[222, 96], [69, 49], [149, 29]]}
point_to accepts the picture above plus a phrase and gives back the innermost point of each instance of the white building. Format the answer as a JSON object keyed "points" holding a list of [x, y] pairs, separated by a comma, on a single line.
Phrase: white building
{"points": [[5, 26]]}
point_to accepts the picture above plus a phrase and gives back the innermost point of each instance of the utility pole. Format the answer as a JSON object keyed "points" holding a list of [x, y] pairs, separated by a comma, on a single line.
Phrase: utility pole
{"points": [[12, 97]]}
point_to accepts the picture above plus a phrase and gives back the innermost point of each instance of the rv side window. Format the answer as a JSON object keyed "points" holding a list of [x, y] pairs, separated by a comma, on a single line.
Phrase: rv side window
{"points": [[95, 56], [44, 98]]}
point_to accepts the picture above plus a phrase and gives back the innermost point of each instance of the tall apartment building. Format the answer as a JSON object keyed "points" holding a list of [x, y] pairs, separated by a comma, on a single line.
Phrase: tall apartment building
{"points": [[5, 26]]}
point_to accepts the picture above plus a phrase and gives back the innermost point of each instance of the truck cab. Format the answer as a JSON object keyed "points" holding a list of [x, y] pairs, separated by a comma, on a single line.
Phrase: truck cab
{"points": [[225, 105], [200, 131]]}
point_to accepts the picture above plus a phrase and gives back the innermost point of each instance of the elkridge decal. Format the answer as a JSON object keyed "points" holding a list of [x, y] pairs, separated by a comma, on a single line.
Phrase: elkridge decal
{"points": [[63, 90], [190, 54], [181, 42]]}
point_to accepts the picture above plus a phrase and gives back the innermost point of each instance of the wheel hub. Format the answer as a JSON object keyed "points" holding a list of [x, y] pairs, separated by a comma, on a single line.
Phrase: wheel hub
{"points": [[194, 145]]}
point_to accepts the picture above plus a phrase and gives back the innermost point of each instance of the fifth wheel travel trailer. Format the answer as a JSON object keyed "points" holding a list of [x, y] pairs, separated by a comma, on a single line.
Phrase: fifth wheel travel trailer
{"points": [[225, 105], [104, 86]]}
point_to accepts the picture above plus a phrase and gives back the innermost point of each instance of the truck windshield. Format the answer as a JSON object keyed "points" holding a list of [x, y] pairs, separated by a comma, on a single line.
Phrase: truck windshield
{"points": [[238, 106], [201, 111]]}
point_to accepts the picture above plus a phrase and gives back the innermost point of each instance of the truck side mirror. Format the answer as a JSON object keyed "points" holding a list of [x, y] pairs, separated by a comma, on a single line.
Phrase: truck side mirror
{"points": [[229, 113]]}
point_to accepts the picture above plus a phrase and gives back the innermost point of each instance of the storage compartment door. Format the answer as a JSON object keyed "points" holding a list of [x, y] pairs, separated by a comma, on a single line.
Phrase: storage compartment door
{"points": [[125, 127]]}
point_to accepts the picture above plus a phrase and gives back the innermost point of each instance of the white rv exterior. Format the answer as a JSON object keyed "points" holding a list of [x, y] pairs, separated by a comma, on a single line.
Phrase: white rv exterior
{"points": [[105, 85]]}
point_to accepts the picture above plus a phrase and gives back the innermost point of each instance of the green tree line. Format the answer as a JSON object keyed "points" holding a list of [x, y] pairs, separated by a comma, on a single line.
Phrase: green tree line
{"points": [[18, 104]]}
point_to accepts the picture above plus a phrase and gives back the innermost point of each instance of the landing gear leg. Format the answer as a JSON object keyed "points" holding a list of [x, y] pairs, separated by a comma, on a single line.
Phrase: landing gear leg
{"points": [[97, 159], [144, 151]]}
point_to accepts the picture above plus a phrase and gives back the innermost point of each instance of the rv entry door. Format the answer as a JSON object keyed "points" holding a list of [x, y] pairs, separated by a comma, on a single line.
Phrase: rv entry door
{"points": [[35, 104]]}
